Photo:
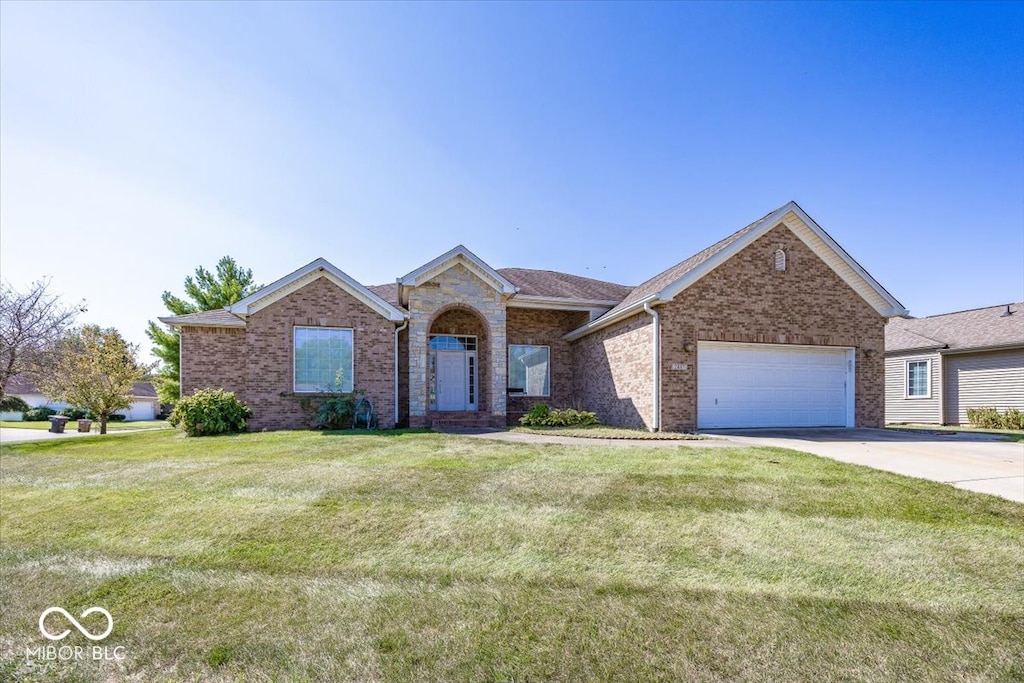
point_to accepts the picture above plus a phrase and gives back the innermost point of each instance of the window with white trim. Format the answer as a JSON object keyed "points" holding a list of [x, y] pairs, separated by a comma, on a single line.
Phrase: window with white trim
{"points": [[919, 376], [323, 360], [529, 370]]}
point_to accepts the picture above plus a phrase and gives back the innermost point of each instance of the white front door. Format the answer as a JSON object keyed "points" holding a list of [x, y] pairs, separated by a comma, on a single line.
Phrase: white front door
{"points": [[452, 387]]}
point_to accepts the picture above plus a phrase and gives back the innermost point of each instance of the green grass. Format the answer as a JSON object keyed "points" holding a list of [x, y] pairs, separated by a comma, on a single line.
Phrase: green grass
{"points": [[73, 425], [605, 432], [300, 556], [1010, 434]]}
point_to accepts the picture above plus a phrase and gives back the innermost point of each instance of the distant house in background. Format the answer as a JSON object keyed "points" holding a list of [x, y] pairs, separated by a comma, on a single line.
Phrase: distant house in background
{"points": [[145, 404], [938, 367]]}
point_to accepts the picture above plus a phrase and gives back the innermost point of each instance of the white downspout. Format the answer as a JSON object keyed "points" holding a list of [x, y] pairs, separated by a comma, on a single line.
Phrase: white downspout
{"points": [[398, 330], [656, 378]]}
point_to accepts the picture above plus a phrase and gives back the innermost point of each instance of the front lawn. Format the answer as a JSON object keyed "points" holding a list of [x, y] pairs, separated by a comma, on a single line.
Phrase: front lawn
{"points": [[1009, 434], [301, 556]]}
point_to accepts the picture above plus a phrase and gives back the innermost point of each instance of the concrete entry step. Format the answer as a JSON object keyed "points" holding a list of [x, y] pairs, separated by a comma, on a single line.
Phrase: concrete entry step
{"points": [[466, 420]]}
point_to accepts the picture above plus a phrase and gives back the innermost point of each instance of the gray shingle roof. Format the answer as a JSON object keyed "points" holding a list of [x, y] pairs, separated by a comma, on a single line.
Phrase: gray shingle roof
{"points": [[678, 271], [23, 384], [388, 292], [978, 328], [218, 318], [550, 283]]}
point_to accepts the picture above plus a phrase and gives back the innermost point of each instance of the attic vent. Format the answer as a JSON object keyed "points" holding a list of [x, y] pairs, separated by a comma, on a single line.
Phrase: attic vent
{"points": [[1007, 313], [780, 260]]}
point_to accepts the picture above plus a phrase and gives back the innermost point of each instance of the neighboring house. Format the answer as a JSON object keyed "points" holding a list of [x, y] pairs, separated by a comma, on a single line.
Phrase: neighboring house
{"points": [[145, 404], [938, 367], [775, 325]]}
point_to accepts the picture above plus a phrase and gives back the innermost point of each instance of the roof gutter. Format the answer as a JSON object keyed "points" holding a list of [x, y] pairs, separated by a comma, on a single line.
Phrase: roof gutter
{"points": [[398, 330], [656, 374], [606, 320]]}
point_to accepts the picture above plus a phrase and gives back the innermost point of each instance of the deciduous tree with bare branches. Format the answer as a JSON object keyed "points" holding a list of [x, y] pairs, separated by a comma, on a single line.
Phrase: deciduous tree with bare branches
{"points": [[31, 323]]}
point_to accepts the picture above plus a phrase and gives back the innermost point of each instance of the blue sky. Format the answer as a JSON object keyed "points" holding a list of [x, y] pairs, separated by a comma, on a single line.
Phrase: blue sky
{"points": [[139, 141]]}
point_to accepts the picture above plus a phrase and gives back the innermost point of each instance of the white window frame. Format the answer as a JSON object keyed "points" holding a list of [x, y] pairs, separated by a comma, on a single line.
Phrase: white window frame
{"points": [[551, 377], [906, 378], [295, 330]]}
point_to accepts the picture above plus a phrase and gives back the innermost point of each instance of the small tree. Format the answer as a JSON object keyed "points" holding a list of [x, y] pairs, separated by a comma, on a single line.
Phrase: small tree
{"points": [[94, 369], [31, 322], [205, 292]]}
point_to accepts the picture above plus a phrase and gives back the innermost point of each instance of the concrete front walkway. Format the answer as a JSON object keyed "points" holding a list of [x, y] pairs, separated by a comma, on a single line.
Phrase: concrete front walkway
{"points": [[978, 462]]}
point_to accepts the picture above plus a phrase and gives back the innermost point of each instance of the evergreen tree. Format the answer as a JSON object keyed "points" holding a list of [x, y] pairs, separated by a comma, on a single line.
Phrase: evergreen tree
{"points": [[205, 292]]}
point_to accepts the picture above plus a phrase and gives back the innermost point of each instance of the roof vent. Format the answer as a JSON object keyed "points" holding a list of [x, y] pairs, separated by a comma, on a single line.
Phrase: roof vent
{"points": [[1007, 313]]}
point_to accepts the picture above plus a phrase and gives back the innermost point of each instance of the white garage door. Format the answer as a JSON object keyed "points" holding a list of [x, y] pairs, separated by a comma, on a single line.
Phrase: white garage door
{"points": [[771, 385]]}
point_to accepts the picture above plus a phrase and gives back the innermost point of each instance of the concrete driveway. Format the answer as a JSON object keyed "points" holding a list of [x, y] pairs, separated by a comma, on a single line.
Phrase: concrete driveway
{"points": [[14, 435], [978, 462]]}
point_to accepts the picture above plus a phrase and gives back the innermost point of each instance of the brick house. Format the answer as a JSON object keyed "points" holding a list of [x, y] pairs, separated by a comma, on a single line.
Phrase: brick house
{"points": [[774, 325]]}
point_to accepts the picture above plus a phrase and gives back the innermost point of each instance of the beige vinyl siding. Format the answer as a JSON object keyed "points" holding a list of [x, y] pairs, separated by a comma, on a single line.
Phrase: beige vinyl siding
{"points": [[991, 379], [899, 408]]}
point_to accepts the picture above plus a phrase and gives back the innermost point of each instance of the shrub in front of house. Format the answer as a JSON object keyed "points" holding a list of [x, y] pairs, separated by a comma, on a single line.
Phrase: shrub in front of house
{"points": [[990, 418], [13, 404], [38, 414], [541, 415], [208, 412]]}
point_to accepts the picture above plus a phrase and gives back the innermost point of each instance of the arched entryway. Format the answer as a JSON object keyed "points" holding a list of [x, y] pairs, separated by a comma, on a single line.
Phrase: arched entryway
{"points": [[458, 366]]}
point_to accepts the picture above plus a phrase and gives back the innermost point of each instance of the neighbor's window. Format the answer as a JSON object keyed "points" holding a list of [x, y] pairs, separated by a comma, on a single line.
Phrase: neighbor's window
{"points": [[918, 379], [323, 359], [529, 370]]}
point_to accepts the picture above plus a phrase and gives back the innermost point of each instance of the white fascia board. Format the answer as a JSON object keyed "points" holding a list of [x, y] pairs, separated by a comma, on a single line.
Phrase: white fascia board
{"points": [[559, 303], [176, 323], [459, 254], [896, 309], [767, 223], [606, 320], [311, 271]]}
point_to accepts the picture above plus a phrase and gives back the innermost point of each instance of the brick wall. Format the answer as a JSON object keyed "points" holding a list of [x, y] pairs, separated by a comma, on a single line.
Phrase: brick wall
{"points": [[213, 358], [612, 372], [746, 300], [545, 328], [269, 347]]}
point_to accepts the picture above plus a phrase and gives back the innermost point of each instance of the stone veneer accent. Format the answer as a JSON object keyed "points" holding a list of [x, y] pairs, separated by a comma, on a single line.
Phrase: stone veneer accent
{"points": [[545, 328], [459, 285]]}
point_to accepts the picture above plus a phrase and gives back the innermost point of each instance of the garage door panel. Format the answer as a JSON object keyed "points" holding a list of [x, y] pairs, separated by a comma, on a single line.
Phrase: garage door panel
{"points": [[761, 385]]}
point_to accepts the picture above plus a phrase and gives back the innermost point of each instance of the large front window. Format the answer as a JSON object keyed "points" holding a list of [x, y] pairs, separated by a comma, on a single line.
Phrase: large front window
{"points": [[529, 370], [918, 379], [323, 360]]}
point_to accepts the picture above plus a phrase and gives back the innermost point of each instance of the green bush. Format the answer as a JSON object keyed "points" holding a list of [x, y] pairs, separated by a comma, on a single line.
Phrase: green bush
{"points": [[334, 412], [13, 404], [990, 418], [1013, 419], [541, 415], [75, 413], [210, 411], [38, 414]]}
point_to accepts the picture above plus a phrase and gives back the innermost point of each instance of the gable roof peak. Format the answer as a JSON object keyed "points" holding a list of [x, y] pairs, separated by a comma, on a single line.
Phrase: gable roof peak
{"points": [[298, 278], [455, 255]]}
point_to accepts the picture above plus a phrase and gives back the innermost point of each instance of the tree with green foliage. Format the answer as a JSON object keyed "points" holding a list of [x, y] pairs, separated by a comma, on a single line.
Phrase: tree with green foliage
{"points": [[92, 368], [205, 292]]}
